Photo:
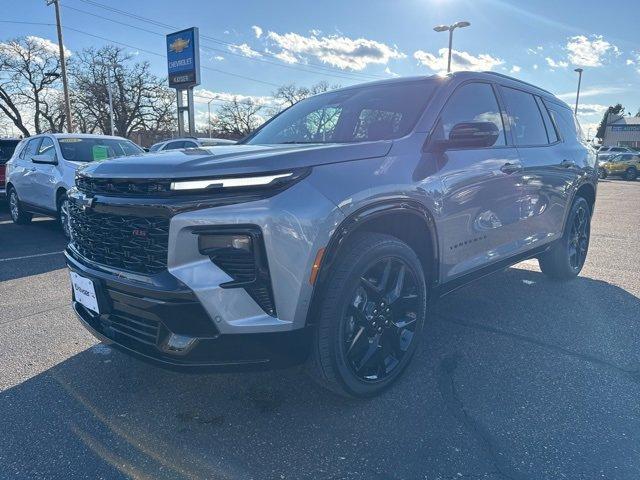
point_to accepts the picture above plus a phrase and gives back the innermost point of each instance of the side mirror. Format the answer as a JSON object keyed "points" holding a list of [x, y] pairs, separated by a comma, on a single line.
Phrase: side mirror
{"points": [[146, 150], [471, 135], [44, 159]]}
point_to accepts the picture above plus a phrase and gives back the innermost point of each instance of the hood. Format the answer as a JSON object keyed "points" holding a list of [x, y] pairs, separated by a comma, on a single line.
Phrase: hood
{"points": [[233, 160]]}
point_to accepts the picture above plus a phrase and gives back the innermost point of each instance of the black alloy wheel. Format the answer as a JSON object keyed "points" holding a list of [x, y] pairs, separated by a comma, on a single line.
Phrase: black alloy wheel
{"points": [[578, 243], [381, 319]]}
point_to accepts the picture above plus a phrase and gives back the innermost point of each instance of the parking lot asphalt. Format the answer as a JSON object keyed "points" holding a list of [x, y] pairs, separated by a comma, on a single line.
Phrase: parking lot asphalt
{"points": [[518, 377]]}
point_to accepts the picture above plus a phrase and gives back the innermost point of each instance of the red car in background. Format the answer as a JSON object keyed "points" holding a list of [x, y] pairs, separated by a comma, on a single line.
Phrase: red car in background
{"points": [[7, 147]]}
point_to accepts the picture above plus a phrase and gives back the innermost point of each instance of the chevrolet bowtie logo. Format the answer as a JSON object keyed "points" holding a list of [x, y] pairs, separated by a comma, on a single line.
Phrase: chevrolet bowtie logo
{"points": [[178, 45]]}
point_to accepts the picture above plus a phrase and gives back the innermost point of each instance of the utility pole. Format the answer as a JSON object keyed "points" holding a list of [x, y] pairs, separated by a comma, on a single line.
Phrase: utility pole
{"points": [[579, 70], [63, 67]]}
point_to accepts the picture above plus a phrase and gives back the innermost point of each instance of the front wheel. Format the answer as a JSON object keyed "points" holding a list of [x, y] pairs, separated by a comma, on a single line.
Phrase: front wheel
{"points": [[602, 173], [567, 256], [371, 316], [18, 214], [631, 174], [63, 215]]}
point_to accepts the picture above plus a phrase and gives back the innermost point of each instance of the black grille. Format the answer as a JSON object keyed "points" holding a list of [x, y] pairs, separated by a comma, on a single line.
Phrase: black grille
{"points": [[139, 329], [119, 186], [131, 243]]}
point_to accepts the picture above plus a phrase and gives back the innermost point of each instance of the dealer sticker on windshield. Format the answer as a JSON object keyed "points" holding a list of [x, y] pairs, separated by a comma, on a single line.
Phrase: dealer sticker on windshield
{"points": [[84, 291]]}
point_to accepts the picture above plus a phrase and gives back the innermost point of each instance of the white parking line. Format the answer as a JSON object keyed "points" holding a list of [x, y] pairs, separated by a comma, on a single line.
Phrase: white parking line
{"points": [[29, 256]]}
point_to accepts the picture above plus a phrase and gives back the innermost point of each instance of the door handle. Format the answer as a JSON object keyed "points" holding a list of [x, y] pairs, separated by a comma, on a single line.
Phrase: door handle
{"points": [[568, 163], [510, 168]]}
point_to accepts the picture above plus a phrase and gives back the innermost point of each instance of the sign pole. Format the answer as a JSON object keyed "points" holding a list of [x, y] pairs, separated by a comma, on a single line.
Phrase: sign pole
{"points": [[191, 113], [180, 98]]}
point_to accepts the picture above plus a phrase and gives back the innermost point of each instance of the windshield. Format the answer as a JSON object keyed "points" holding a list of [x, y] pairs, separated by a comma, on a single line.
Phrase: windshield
{"points": [[90, 149], [356, 115]]}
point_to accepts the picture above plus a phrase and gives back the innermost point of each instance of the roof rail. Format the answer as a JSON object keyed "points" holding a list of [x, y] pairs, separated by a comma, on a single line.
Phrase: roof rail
{"points": [[518, 80]]}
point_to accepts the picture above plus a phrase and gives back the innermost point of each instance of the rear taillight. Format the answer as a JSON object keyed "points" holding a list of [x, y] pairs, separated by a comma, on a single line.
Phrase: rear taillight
{"points": [[2, 174]]}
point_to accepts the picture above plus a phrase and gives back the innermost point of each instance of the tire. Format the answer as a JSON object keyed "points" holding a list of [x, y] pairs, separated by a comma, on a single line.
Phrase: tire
{"points": [[365, 337], [602, 174], [18, 215], [63, 215], [631, 174], [566, 258]]}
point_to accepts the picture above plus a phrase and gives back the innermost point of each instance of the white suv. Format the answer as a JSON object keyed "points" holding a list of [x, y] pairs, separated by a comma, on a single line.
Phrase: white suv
{"points": [[604, 153], [43, 168], [189, 142]]}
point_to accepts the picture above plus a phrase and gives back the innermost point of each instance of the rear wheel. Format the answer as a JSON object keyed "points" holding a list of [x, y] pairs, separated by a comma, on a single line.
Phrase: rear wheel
{"points": [[18, 214], [567, 256], [631, 173], [602, 173], [371, 317]]}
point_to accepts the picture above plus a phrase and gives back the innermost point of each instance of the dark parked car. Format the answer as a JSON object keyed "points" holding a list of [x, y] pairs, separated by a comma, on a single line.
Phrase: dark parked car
{"points": [[322, 237], [7, 147]]}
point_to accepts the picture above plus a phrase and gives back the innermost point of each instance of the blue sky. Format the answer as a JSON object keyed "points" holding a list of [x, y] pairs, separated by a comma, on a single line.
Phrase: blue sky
{"points": [[345, 42]]}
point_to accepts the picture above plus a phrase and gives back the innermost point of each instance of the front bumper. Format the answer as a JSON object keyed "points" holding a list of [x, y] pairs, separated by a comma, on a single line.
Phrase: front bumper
{"points": [[144, 320]]}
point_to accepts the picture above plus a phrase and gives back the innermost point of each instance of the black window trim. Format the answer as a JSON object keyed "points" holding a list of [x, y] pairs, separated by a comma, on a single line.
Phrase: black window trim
{"points": [[22, 154], [557, 127], [541, 104], [502, 86], [507, 138]]}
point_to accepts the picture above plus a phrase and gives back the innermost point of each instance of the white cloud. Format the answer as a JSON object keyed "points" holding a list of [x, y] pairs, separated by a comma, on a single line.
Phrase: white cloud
{"points": [[336, 50], [459, 60], [591, 108], [515, 69], [630, 62], [284, 55], [535, 51], [257, 30], [202, 96], [535, 66], [388, 71], [592, 92], [589, 52], [556, 64], [245, 50]]}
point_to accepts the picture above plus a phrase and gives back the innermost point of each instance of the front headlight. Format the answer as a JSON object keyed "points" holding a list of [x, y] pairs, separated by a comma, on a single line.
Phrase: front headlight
{"points": [[272, 180]]}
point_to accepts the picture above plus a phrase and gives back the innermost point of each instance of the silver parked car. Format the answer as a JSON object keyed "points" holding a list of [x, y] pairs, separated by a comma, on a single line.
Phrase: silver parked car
{"points": [[189, 142], [323, 236], [605, 153], [43, 167]]}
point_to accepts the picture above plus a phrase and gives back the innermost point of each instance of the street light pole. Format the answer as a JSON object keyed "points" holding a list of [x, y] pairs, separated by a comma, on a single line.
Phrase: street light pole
{"points": [[209, 117], [579, 70], [450, 29], [63, 67]]}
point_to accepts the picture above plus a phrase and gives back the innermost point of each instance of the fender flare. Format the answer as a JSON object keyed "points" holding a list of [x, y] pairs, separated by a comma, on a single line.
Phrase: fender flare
{"points": [[353, 222]]}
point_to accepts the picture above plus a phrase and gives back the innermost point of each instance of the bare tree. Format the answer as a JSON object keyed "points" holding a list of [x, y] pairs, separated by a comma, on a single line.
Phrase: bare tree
{"points": [[141, 101], [29, 73], [239, 117], [291, 94]]}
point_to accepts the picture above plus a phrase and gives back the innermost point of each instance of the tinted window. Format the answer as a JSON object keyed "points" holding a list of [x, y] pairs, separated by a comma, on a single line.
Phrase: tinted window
{"points": [[31, 149], [353, 115], [155, 147], [525, 117], [474, 102], [190, 144], [548, 124], [174, 145], [88, 149], [7, 147], [46, 148], [565, 121]]}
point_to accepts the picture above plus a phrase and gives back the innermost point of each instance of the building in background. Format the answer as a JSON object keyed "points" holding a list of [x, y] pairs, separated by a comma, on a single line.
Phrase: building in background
{"points": [[622, 131]]}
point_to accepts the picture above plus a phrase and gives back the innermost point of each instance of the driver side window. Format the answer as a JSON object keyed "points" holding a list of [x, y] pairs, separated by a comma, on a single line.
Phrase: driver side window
{"points": [[473, 102]]}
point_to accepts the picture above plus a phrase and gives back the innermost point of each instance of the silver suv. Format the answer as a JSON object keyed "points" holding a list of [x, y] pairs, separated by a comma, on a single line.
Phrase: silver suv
{"points": [[42, 170], [323, 236]]}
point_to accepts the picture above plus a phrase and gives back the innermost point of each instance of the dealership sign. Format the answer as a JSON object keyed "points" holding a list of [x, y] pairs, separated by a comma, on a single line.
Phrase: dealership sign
{"points": [[183, 58], [625, 128]]}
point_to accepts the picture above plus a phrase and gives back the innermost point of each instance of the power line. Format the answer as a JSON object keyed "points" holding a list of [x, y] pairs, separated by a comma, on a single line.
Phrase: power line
{"points": [[229, 44], [345, 75]]}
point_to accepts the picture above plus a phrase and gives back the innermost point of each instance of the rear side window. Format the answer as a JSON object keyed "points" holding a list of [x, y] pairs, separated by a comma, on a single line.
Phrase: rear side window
{"points": [[473, 102], [525, 118], [565, 121]]}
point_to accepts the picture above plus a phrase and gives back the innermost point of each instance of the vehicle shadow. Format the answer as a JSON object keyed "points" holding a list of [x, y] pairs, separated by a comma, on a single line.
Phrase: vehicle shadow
{"points": [[518, 377], [33, 249]]}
